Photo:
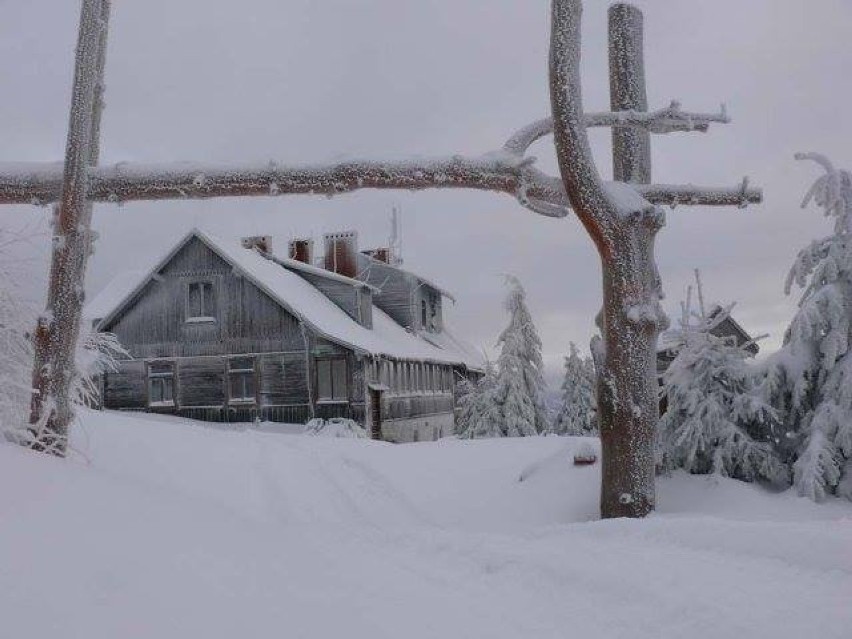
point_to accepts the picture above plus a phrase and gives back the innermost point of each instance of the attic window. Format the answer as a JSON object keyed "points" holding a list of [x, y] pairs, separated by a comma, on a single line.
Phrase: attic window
{"points": [[200, 302]]}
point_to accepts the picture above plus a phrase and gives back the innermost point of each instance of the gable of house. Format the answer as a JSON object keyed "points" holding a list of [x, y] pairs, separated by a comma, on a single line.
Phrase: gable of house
{"points": [[158, 318]]}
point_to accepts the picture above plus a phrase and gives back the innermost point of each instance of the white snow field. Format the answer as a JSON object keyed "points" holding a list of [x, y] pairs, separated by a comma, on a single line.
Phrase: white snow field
{"points": [[164, 528]]}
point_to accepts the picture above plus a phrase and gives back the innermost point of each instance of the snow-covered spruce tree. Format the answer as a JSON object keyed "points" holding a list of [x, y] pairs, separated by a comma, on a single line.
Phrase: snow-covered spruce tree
{"points": [[810, 378], [716, 420], [16, 361], [577, 412], [479, 414], [519, 385]]}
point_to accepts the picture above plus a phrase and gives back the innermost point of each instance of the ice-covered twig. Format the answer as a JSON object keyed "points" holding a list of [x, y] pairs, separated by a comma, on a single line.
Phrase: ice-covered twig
{"points": [[690, 194], [669, 119]]}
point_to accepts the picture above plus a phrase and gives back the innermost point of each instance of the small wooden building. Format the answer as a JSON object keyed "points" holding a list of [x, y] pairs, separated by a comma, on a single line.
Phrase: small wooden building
{"points": [[669, 342], [227, 331]]}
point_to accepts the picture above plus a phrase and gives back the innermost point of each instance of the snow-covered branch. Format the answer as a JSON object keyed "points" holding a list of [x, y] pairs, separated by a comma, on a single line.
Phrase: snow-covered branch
{"points": [[500, 171], [669, 119], [690, 194]]}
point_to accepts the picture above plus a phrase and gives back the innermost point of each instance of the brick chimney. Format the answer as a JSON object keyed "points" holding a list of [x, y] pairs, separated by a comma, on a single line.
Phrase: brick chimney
{"points": [[301, 250], [379, 254], [261, 242], [340, 252]]}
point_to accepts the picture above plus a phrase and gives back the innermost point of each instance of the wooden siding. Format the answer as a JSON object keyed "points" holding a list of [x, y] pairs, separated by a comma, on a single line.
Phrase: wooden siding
{"points": [[126, 388], [401, 293], [201, 381], [397, 289], [433, 299], [246, 320], [352, 300]]}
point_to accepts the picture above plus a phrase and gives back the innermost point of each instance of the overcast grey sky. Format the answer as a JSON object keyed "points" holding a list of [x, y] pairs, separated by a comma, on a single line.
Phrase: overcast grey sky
{"points": [[301, 81]]}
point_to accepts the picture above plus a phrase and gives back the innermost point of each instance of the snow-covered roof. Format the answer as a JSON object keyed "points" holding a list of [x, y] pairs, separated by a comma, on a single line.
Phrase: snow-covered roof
{"points": [[419, 278], [304, 267], [304, 301], [672, 339], [109, 297]]}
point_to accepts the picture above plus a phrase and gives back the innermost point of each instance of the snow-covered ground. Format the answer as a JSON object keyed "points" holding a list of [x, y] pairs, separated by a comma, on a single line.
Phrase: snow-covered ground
{"points": [[163, 528]]}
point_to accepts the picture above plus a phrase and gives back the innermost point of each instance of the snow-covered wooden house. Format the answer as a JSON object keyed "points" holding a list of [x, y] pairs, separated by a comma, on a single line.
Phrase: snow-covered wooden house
{"points": [[668, 344], [227, 331]]}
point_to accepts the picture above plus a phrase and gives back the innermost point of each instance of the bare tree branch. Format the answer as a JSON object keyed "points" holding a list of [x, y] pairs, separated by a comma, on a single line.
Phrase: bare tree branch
{"points": [[40, 184], [670, 119]]}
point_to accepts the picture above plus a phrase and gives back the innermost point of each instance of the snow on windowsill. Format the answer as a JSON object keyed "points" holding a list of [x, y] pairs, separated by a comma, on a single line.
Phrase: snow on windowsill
{"points": [[200, 320], [332, 401], [161, 404]]}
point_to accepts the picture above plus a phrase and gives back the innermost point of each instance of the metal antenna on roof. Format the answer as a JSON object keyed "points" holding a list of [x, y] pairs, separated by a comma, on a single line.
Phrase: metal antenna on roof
{"points": [[700, 295], [395, 241]]}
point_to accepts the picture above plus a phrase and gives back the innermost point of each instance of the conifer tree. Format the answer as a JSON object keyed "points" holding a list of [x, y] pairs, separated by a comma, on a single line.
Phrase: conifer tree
{"points": [[577, 412], [519, 385], [810, 378], [478, 411], [716, 420]]}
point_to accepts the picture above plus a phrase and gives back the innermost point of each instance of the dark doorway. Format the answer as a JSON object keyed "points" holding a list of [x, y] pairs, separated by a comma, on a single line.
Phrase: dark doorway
{"points": [[376, 413]]}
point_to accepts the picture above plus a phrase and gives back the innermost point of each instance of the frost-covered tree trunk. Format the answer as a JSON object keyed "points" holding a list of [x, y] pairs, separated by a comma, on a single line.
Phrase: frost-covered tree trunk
{"points": [[623, 227], [58, 329]]}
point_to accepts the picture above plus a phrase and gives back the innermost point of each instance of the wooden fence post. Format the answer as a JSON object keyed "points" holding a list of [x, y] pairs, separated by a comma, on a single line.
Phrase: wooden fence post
{"points": [[58, 328]]}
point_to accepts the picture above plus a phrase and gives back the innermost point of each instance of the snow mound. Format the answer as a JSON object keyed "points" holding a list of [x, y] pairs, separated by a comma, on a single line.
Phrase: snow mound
{"points": [[335, 427], [161, 527]]}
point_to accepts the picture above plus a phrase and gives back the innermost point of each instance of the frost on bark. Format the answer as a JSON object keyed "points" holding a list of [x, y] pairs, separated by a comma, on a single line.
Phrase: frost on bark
{"points": [[622, 220], [58, 329], [623, 227]]}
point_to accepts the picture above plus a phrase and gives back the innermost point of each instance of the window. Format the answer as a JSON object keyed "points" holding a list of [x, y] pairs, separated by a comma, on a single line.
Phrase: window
{"points": [[200, 302], [433, 311], [423, 316], [161, 384], [331, 379], [241, 380]]}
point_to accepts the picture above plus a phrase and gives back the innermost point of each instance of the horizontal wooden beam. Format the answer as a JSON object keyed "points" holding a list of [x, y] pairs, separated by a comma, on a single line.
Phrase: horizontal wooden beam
{"points": [[670, 119], [501, 172]]}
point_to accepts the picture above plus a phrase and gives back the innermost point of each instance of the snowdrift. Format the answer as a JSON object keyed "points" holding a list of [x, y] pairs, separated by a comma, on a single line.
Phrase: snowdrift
{"points": [[160, 527]]}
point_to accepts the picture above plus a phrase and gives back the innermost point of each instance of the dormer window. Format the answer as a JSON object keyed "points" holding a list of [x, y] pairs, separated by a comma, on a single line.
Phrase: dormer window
{"points": [[200, 302]]}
